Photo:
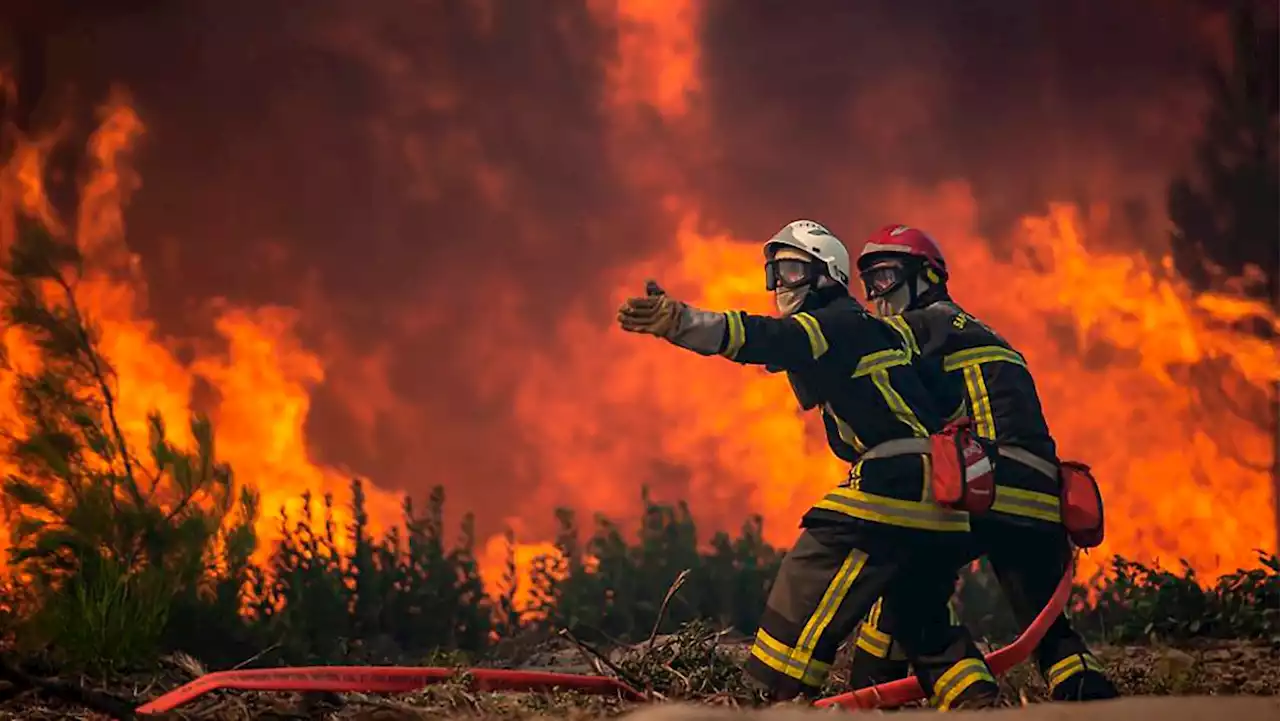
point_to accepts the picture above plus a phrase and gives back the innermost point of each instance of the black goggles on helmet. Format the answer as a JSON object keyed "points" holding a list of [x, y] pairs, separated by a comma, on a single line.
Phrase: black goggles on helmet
{"points": [[886, 276], [790, 273]]}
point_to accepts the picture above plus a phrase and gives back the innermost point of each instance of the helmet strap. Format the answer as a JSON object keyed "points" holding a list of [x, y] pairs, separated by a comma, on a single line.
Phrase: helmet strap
{"points": [[911, 294], [924, 285]]}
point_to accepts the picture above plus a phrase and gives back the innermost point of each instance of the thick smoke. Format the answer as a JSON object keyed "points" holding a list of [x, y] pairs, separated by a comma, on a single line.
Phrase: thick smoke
{"points": [[432, 182], [1028, 101]]}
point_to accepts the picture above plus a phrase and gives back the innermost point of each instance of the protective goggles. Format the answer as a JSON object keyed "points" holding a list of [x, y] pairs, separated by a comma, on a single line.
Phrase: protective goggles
{"points": [[885, 277], [789, 273]]}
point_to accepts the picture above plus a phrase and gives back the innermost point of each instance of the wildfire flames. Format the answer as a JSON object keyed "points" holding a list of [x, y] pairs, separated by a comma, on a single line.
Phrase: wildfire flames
{"points": [[263, 378], [1134, 368]]}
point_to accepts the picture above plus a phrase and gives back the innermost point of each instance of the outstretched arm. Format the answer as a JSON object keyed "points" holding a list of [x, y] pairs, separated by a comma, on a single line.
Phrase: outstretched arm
{"points": [[786, 343]]}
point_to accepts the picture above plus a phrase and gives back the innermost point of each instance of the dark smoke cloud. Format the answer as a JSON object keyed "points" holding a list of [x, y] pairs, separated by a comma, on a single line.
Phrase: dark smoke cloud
{"points": [[414, 173], [1023, 99]]}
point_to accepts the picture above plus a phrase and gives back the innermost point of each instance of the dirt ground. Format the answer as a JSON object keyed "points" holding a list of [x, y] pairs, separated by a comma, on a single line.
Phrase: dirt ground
{"points": [[1225, 680]]}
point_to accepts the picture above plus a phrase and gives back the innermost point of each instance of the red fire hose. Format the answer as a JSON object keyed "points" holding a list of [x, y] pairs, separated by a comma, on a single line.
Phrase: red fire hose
{"points": [[382, 679], [397, 679]]}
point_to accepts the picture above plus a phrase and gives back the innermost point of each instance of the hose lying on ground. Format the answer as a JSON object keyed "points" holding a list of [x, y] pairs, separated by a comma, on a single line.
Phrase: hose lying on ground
{"points": [[399, 679]]}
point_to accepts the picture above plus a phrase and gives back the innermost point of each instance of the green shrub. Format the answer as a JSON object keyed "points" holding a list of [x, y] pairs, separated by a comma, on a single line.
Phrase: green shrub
{"points": [[406, 593], [106, 615], [1135, 602], [104, 537], [620, 598]]}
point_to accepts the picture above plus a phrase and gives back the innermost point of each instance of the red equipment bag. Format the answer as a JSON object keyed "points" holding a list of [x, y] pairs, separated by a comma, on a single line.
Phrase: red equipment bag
{"points": [[1081, 504], [963, 473]]}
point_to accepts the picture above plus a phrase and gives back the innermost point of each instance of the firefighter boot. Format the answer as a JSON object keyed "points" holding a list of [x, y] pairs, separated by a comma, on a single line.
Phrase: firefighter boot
{"points": [[1079, 677]]}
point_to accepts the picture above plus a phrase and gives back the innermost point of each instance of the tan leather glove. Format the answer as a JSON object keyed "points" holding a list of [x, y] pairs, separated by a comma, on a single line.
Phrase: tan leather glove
{"points": [[656, 314]]}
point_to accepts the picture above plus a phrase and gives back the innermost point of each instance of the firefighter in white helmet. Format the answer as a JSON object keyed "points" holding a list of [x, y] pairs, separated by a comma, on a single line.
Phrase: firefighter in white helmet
{"points": [[874, 532]]}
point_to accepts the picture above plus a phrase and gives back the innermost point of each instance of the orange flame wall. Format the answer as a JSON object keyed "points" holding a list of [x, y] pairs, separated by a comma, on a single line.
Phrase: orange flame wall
{"points": [[1112, 337], [561, 408], [262, 378]]}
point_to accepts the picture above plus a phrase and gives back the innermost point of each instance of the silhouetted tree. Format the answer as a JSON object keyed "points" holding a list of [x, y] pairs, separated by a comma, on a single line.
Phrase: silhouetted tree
{"points": [[1225, 211]]}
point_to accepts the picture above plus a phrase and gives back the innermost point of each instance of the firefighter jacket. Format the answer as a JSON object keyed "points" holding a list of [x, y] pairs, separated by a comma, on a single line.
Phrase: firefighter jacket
{"points": [[856, 368], [971, 370]]}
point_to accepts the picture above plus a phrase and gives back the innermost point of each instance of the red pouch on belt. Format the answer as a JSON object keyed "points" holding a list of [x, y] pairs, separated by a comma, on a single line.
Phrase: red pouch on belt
{"points": [[963, 474], [1081, 504]]}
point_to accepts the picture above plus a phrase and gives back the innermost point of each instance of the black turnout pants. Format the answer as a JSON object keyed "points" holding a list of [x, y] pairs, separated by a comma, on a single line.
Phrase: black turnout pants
{"points": [[1028, 561], [828, 583]]}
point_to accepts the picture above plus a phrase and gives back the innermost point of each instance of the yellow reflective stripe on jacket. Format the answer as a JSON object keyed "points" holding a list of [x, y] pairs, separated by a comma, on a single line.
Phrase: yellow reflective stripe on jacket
{"points": [[920, 515], [899, 324], [975, 386], [1015, 501], [846, 431], [817, 341], [957, 679], [737, 331], [978, 356], [780, 657], [877, 365], [897, 403], [1070, 666], [970, 361], [881, 360]]}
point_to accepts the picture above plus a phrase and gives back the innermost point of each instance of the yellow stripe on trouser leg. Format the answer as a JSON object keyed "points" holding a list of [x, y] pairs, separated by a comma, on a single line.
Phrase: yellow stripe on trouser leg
{"points": [[779, 657], [874, 617], [822, 616], [873, 641], [957, 679], [1070, 666], [880, 644], [870, 638]]}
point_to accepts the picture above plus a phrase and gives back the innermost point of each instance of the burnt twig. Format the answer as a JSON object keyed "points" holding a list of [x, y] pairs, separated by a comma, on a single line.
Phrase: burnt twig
{"points": [[617, 671], [256, 656], [662, 610]]}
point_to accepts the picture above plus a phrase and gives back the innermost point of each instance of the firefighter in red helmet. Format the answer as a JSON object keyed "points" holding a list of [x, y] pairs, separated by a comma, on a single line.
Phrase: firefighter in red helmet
{"points": [[972, 371]]}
